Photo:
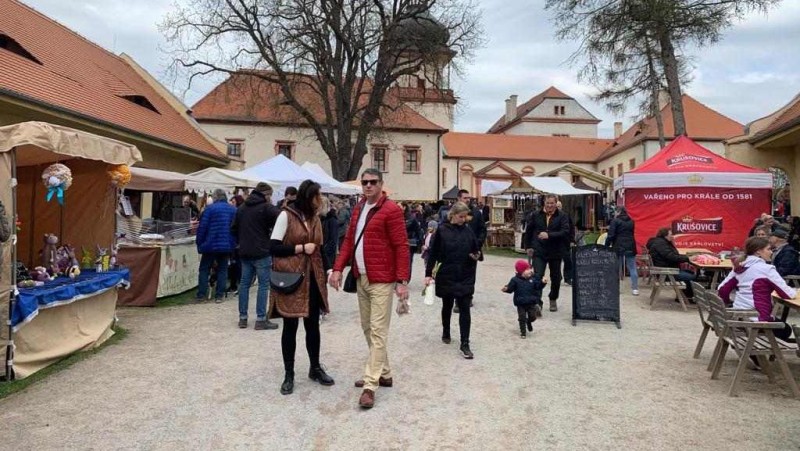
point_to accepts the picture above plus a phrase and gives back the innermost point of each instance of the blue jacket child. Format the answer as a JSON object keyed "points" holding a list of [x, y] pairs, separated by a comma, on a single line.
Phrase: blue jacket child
{"points": [[527, 288]]}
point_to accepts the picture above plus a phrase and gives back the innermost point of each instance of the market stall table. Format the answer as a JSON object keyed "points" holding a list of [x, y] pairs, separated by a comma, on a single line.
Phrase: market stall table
{"points": [[64, 316], [694, 250], [158, 270]]}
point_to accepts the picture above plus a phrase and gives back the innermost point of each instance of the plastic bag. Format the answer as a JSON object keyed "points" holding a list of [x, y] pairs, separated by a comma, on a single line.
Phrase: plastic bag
{"points": [[429, 294]]}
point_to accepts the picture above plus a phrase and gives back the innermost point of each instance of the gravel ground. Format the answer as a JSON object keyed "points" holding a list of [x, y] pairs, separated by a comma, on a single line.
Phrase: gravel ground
{"points": [[188, 378]]}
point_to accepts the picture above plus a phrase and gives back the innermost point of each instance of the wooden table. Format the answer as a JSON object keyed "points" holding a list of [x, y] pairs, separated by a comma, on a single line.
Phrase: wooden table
{"points": [[787, 304], [694, 250], [724, 266]]}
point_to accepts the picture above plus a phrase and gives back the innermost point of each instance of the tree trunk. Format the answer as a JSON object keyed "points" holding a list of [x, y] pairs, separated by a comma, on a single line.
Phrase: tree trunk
{"points": [[671, 72], [655, 86]]}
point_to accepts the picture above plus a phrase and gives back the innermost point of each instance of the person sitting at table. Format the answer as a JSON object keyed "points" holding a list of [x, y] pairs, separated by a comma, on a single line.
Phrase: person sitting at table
{"points": [[762, 232], [754, 281], [784, 256], [664, 254]]}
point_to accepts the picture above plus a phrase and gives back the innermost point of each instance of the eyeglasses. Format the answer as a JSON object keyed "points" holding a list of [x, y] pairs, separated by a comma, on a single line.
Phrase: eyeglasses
{"points": [[369, 182]]}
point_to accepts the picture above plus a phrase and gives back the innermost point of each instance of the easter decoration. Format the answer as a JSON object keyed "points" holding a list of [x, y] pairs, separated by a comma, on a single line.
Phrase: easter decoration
{"points": [[120, 175], [49, 255], [57, 178]]}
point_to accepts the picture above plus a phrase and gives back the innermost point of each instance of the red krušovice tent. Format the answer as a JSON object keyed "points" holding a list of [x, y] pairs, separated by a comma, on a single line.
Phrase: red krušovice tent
{"points": [[708, 201]]}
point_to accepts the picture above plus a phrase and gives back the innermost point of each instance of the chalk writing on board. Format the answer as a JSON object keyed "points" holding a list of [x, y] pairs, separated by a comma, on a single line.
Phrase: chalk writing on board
{"points": [[595, 290]]}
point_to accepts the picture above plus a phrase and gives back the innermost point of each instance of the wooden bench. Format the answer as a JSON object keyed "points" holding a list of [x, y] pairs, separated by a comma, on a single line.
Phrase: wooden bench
{"points": [[665, 277], [643, 266], [747, 338]]}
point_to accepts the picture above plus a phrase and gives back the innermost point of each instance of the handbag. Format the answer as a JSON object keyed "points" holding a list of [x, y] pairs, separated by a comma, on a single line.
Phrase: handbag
{"points": [[285, 282], [350, 280]]}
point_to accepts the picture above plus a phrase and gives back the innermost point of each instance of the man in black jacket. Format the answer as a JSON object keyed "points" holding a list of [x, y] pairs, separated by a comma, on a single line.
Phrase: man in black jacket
{"points": [[784, 256], [252, 228], [477, 224], [545, 237]]}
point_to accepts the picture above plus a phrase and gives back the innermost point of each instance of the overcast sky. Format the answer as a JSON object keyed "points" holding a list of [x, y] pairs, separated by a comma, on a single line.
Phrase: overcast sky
{"points": [[752, 72]]}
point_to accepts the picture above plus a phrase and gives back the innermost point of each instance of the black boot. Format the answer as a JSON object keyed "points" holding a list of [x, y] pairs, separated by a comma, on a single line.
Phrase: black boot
{"points": [[287, 387], [318, 374], [522, 332]]}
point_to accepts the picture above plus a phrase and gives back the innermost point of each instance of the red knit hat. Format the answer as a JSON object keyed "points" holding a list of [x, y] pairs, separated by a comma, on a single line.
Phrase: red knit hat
{"points": [[521, 266]]}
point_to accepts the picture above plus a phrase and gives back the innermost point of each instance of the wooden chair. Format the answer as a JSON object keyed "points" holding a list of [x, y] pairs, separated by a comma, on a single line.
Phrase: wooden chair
{"points": [[703, 311], [643, 265], [665, 277], [747, 338]]}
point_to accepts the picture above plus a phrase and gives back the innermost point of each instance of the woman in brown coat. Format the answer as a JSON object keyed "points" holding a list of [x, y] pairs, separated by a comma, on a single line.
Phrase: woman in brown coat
{"points": [[296, 246]]}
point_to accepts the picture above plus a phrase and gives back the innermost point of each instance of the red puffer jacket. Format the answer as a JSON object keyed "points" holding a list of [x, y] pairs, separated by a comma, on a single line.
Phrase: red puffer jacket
{"points": [[385, 243]]}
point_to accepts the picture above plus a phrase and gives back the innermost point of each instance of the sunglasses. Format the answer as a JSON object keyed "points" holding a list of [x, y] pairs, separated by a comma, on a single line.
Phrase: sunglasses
{"points": [[369, 182]]}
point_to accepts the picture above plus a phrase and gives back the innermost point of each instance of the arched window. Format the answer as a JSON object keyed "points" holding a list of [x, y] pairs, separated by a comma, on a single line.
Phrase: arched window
{"points": [[528, 171]]}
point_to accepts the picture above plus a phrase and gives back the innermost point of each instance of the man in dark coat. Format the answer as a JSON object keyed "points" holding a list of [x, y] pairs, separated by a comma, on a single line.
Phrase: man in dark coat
{"points": [[545, 234], [664, 254], [784, 256], [568, 271], [621, 238], [252, 228], [475, 222]]}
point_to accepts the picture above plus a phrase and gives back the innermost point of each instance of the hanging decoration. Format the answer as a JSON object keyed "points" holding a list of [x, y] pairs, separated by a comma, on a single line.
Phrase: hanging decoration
{"points": [[57, 178], [120, 175]]}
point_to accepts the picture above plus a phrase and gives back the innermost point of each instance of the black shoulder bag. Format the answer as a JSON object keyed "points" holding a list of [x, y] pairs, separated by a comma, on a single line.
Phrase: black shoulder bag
{"points": [[350, 280]]}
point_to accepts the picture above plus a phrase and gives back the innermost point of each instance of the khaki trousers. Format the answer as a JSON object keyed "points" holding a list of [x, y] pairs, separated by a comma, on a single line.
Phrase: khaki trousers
{"points": [[375, 306]]}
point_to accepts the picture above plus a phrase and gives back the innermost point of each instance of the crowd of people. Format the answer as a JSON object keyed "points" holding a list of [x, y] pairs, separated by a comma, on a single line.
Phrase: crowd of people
{"points": [[298, 249]]}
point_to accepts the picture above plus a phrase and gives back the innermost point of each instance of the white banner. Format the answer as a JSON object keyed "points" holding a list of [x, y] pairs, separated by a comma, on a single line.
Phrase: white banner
{"points": [[180, 265]]}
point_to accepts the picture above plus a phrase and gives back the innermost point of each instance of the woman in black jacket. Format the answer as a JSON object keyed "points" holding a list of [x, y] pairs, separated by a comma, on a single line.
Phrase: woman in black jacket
{"points": [[456, 248], [414, 233], [330, 229], [664, 254], [621, 239]]}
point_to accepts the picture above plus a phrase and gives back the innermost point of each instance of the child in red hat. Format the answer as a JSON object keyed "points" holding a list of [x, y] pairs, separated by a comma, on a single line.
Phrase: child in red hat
{"points": [[527, 289]]}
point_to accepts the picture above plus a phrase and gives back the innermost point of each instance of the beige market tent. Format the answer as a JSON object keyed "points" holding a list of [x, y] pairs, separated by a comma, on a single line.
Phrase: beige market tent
{"points": [[87, 219]]}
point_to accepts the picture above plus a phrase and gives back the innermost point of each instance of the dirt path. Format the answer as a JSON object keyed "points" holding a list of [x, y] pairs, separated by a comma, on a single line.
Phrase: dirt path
{"points": [[187, 378]]}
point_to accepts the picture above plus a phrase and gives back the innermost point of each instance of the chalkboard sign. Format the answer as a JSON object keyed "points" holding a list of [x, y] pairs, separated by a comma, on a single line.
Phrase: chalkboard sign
{"points": [[595, 287]]}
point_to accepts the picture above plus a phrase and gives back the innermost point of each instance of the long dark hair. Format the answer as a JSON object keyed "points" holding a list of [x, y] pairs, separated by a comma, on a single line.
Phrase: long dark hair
{"points": [[308, 191]]}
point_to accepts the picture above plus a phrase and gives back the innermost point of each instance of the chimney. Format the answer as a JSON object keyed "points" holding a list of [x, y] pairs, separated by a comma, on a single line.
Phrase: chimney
{"points": [[617, 129], [511, 108], [663, 99]]}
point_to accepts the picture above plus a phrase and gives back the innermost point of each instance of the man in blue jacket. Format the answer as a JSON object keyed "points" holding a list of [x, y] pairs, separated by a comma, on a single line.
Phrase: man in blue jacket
{"points": [[784, 256], [216, 243]]}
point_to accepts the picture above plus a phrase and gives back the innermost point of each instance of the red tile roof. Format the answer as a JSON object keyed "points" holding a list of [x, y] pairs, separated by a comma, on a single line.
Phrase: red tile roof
{"points": [[525, 148], [702, 123], [75, 75], [247, 98], [790, 117], [522, 110]]}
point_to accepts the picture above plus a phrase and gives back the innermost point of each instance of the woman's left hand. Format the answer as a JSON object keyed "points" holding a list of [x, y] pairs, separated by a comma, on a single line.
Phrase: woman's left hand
{"points": [[475, 256], [428, 281]]}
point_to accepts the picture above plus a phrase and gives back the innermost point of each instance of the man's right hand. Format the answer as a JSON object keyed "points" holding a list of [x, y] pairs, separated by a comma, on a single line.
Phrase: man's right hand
{"points": [[335, 280], [530, 252]]}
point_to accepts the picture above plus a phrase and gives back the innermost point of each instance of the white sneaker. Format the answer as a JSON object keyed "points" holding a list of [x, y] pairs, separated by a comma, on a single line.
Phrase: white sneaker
{"points": [[636, 292]]}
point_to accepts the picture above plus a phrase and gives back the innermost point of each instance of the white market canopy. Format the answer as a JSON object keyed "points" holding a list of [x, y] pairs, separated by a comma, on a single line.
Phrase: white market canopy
{"points": [[548, 185], [285, 172], [334, 186], [211, 178], [494, 188]]}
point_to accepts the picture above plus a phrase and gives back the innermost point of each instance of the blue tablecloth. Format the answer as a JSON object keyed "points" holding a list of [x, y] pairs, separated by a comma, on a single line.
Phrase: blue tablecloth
{"points": [[63, 290]]}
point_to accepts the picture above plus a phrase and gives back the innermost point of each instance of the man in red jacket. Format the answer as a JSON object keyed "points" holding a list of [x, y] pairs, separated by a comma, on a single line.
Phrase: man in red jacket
{"points": [[377, 243]]}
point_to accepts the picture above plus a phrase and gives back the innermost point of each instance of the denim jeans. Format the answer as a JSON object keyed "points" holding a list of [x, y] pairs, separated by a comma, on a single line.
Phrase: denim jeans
{"points": [[630, 262], [261, 268], [206, 261], [688, 277]]}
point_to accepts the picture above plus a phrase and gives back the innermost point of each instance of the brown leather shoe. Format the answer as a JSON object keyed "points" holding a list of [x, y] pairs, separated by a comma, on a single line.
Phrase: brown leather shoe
{"points": [[383, 382], [367, 399]]}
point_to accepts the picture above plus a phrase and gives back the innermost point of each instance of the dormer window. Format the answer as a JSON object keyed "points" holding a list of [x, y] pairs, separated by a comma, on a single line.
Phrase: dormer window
{"points": [[10, 44], [141, 101]]}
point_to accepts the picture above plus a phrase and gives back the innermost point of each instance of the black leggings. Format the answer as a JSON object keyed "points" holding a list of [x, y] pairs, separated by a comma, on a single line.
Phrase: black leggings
{"points": [[464, 318], [310, 324]]}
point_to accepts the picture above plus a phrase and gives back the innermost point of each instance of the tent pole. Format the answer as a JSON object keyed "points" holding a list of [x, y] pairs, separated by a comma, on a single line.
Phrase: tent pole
{"points": [[9, 373]]}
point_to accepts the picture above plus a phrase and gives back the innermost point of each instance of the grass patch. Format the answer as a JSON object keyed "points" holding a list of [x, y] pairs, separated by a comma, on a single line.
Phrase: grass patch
{"points": [[8, 388], [503, 252], [184, 298]]}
